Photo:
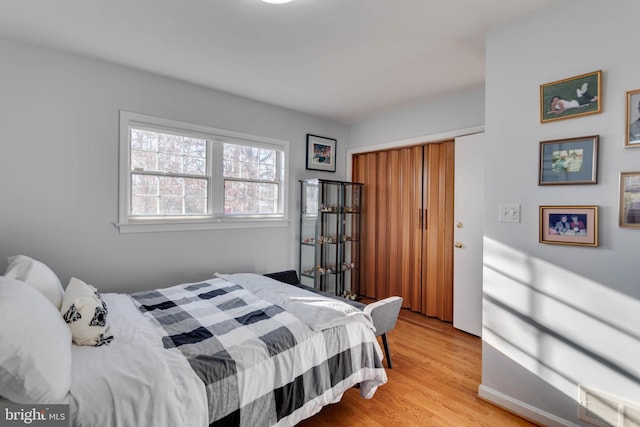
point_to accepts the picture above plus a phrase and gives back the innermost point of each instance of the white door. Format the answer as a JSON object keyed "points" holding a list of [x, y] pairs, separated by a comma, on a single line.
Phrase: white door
{"points": [[468, 233]]}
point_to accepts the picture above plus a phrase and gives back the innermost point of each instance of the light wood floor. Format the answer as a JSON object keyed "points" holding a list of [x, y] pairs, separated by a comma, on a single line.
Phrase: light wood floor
{"points": [[434, 382]]}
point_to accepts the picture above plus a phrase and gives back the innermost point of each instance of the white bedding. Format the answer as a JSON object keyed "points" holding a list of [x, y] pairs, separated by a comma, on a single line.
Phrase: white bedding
{"points": [[139, 383], [316, 311]]}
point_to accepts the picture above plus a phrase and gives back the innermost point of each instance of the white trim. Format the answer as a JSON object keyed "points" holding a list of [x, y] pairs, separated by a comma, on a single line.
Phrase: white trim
{"points": [[424, 139], [126, 224], [155, 227], [200, 131], [522, 409]]}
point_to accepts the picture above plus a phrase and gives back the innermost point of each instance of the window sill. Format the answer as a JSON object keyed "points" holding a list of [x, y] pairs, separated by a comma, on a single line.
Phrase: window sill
{"points": [[227, 224]]}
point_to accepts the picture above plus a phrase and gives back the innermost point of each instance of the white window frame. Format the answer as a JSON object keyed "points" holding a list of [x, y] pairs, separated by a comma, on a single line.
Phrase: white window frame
{"points": [[216, 219]]}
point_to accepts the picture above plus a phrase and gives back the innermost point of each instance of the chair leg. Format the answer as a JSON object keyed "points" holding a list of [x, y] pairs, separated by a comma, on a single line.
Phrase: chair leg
{"points": [[386, 350]]}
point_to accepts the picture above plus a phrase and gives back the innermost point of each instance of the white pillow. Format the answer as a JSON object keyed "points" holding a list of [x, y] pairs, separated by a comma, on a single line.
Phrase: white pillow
{"points": [[35, 346], [86, 314], [38, 275]]}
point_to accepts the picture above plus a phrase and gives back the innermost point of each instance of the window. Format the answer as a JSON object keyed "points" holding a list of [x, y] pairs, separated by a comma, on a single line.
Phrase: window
{"points": [[251, 184], [168, 174], [180, 176]]}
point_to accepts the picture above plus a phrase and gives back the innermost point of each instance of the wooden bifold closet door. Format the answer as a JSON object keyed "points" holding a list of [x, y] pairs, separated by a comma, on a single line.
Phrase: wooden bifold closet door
{"points": [[407, 232]]}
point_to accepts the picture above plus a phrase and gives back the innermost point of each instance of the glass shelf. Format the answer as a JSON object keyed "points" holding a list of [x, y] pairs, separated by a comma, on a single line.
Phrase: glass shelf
{"points": [[330, 235]]}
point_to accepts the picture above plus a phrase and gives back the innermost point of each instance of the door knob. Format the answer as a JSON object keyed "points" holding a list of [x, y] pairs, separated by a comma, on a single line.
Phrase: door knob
{"points": [[458, 245]]}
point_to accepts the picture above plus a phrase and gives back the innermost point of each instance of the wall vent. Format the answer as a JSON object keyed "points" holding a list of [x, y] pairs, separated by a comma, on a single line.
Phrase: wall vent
{"points": [[605, 410]]}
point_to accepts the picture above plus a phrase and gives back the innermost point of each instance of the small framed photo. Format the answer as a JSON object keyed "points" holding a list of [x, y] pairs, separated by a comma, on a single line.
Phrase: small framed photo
{"points": [[632, 138], [576, 96], [569, 161], [321, 153], [630, 199], [569, 225]]}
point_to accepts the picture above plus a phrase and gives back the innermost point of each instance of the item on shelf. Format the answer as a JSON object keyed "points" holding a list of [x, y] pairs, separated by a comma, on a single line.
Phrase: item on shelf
{"points": [[327, 239], [328, 208], [349, 295]]}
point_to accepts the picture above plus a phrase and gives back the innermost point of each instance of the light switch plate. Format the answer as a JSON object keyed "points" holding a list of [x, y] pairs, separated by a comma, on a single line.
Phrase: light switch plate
{"points": [[509, 212]]}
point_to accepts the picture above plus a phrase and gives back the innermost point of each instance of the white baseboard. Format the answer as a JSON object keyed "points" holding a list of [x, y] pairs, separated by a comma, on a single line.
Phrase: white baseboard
{"points": [[522, 409]]}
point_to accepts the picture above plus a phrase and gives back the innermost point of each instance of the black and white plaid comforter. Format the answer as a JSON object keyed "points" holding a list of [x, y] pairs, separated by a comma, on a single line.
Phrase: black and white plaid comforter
{"points": [[261, 365]]}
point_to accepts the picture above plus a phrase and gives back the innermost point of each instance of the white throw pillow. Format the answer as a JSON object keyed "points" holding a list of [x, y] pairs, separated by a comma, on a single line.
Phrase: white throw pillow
{"points": [[38, 275], [86, 314], [35, 346]]}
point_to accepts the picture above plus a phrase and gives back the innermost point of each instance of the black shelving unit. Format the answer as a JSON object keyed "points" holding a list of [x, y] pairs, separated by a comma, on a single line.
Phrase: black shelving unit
{"points": [[330, 230]]}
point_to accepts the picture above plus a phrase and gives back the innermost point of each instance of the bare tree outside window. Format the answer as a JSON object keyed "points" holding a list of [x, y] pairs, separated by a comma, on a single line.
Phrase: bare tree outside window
{"points": [[251, 184], [168, 174]]}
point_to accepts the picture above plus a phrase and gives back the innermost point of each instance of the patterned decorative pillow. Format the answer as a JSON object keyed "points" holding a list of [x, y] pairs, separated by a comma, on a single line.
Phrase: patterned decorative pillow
{"points": [[85, 312]]}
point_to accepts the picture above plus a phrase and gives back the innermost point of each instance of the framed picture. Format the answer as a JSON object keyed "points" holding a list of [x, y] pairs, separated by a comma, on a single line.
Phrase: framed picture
{"points": [[630, 199], [321, 153], [569, 225], [572, 97], [632, 138], [569, 161]]}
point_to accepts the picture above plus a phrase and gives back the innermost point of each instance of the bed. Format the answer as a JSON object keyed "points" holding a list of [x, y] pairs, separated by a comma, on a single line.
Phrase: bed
{"points": [[234, 350]]}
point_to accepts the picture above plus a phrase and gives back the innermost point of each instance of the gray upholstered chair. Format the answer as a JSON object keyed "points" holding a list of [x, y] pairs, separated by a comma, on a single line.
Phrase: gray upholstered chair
{"points": [[385, 314]]}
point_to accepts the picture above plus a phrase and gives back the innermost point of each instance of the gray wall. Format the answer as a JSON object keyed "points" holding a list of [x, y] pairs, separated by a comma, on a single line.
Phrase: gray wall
{"points": [[555, 316], [460, 110], [59, 171]]}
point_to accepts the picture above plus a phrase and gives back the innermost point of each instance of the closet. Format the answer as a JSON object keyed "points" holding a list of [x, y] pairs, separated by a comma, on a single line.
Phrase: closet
{"points": [[407, 214]]}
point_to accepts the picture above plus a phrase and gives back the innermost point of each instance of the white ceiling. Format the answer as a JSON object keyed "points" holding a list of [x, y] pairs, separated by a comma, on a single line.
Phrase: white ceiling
{"points": [[340, 59]]}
